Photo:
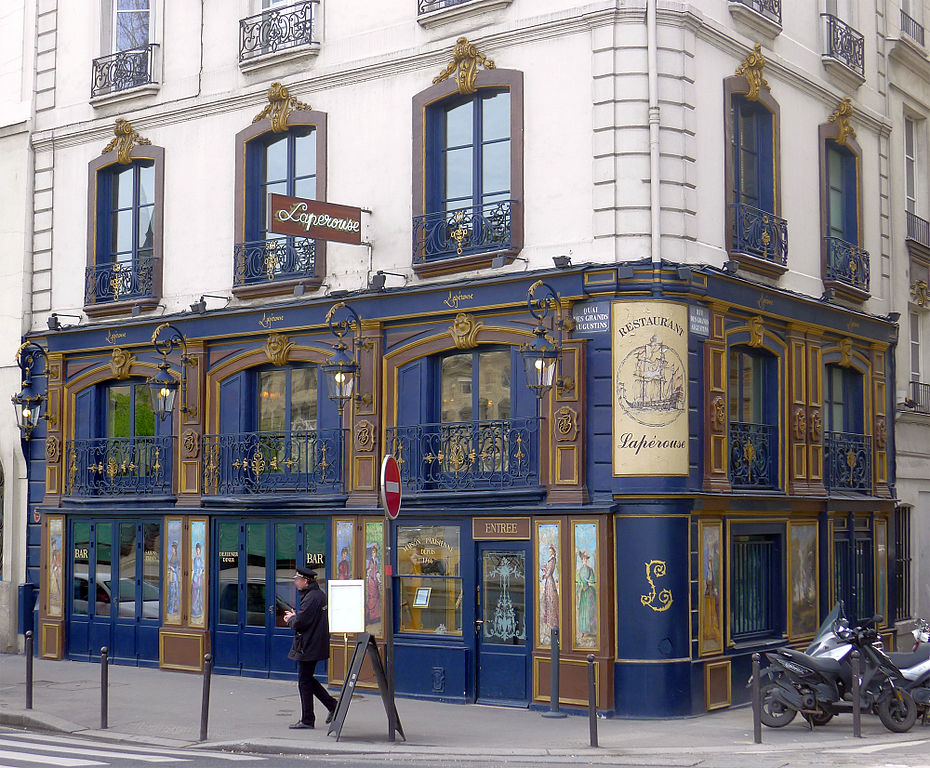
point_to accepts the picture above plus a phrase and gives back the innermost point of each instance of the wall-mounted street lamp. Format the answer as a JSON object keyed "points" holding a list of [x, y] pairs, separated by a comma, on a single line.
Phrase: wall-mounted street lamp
{"points": [[28, 403], [342, 370], [163, 387], [542, 357]]}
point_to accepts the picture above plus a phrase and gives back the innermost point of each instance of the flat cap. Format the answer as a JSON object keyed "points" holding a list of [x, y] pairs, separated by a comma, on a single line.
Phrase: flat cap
{"points": [[307, 573]]}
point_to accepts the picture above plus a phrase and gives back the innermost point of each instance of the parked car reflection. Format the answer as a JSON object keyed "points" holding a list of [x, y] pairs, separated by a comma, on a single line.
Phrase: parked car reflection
{"points": [[151, 597]]}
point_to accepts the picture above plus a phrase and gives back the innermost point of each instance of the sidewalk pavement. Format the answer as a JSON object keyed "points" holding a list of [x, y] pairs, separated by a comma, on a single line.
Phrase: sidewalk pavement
{"points": [[252, 714]]}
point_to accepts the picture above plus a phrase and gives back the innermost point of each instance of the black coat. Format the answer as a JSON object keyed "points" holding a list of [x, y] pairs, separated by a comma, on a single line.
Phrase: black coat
{"points": [[311, 626]]}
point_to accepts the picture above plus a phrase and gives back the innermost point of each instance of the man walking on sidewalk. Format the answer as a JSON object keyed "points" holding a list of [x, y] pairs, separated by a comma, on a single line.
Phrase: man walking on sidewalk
{"points": [[311, 644]]}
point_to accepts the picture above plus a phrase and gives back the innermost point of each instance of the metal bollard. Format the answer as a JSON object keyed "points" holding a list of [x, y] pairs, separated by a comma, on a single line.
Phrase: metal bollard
{"points": [[554, 679], [29, 669], [756, 700], [592, 701], [104, 685], [857, 709], [205, 701]]}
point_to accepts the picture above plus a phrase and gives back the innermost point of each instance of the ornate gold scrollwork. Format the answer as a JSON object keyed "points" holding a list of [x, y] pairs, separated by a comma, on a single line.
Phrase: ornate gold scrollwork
{"points": [[816, 427], [841, 117], [397, 450], [751, 68], [663, 600], [846, 352], [718, 414], [919, 293], [756, 331], [566, 424], [464, 331], [465, 59], [280, 104], [365, 435], [277, 348], [800, 423], [52, 449], [881, 434], [191, 442], [124, 140], [120, 363]]}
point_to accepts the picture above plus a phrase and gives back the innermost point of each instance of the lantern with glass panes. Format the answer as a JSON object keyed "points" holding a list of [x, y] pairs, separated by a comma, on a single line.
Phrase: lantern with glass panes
{"points": [[542, 357], [163, 387], [342, 369], [28, 403]]}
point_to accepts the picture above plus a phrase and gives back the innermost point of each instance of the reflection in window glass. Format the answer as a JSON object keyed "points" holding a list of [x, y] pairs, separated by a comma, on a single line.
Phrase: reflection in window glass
{"points": [[127, 570], [429, 570], [284, 567], [104, 566], [151, 570], [256, 574], [81, 533], [228, 576]]}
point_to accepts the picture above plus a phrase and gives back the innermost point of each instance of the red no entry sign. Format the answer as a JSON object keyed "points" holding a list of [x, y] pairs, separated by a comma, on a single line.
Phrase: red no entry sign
{"points": [[390, 487]]}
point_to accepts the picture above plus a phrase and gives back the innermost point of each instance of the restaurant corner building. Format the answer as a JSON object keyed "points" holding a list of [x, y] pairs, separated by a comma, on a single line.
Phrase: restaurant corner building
{"points": [[704, 469]]}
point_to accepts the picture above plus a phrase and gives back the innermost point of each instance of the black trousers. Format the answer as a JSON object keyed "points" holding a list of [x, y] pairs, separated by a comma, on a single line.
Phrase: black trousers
{"points": [[309, 687]]}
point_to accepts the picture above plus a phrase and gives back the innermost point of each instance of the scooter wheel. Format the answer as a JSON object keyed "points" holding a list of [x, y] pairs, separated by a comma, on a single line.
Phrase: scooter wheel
{"points": [[774, 713], [898, 711], [821, 718]]}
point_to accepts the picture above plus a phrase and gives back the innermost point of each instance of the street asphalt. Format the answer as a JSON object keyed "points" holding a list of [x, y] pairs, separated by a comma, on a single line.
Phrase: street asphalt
{"points": [[252, 715]]}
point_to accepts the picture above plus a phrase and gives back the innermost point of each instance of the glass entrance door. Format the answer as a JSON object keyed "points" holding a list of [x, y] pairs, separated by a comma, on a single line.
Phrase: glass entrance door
{"points": [[115, 594], [255, 564], [503, 626]]}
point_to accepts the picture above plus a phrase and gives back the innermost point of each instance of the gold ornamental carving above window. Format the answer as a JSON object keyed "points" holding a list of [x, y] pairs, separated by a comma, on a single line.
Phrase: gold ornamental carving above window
{"points": [[756, 331], [123, 142], [919, 293], [278, 348], [718, 411], [464, 331], [846, 352], [751, 69], [280, 104], [800, 424], [120, 363], [842, 117], [190, 440], [464, 64]]}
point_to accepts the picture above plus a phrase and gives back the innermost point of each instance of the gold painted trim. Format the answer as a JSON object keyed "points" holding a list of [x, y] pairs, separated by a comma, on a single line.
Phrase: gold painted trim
{"points": [[537, 676], [574, 549], [280, 104], [537, 582], [751, 68], [57, 630], [187, 636], [125, 138], [841, 116], [679, 660], [707, 670], [464, 64]]}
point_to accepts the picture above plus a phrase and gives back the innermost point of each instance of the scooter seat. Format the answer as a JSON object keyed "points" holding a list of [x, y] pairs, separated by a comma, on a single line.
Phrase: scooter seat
{"points": [[905, 659], [827, 667]]}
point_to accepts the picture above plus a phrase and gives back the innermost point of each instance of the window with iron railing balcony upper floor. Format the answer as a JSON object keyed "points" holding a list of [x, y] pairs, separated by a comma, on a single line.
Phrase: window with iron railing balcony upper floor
{"points": [[760, 234], [844, 44], [770, 9], [919, 397], [918, 229], [912, 28], [120, 280], [847, 264], [123, 70], [278, 28], [847, 461]]}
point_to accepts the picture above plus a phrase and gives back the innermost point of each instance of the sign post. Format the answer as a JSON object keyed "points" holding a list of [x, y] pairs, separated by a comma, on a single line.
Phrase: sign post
{"points": [[390, 501]]}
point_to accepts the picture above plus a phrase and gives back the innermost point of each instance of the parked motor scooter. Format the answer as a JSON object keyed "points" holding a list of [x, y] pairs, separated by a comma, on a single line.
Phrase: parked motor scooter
{"points": [[915, 668], [819, 683]]}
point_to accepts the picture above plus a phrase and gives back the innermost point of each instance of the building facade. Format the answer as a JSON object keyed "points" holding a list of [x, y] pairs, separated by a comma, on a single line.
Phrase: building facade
{"points": [[536, 251]]}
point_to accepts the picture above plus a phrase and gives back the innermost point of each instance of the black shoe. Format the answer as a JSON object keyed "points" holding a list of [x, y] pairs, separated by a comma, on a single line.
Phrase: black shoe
{"points": [[300, 724], [331, 715]]}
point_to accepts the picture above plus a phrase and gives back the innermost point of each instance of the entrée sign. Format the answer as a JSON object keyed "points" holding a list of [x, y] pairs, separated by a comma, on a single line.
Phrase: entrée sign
{"points": [[314, 218]]}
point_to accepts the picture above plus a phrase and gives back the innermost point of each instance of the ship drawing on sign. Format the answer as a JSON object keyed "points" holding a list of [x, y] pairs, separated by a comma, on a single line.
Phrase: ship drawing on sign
{"points": [[651, 384]]}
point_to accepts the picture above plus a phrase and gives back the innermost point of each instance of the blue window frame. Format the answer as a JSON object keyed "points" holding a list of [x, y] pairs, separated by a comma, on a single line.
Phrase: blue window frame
{"points": [[753, 155], [842, 399], [842, 197], [757, 582], [753, 412], [126, 213]]}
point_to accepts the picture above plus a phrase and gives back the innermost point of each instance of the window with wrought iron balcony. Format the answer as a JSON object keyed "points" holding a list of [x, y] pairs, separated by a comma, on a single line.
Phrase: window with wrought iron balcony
{"points": [[432, 13], [844, 50], [912, 28], [131, 64], [282, 29], [753, 418], [764, 16], [847, 459]]}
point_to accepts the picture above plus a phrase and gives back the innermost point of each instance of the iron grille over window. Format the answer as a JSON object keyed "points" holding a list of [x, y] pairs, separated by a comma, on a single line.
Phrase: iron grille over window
{"points": [[847, 263], [902, 562], [920, 395], [911, 28], [755, 574], [120, 281], [845, 44], [478, 228], [276, 29], [847, 461], [753, 455], [123, 70], [918, 229]]}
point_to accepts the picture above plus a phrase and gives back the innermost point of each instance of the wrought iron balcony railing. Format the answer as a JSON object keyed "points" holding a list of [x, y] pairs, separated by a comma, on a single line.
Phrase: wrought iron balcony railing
{"points": [[753, 455], [463, 231], [467, 455], [277, 29], [760, 234], [845, 44], [847, 263], [427, 6], [120, 280], [123, 70], [264, 261], [919, 396], [911, 28], [251, 463], [119, 466], [918, 229], [847, 461], [771, 9]]}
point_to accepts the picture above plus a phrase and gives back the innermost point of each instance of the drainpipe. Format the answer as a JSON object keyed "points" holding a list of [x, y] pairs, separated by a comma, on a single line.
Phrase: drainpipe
{"points": [[652, 58]]}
